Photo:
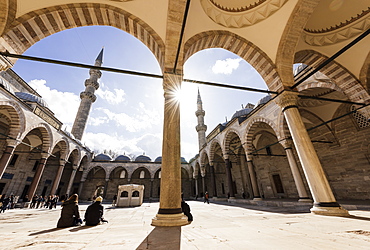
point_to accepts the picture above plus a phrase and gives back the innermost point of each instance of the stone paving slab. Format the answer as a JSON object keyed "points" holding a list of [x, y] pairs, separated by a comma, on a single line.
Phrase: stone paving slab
{"points": [[215, 226]]}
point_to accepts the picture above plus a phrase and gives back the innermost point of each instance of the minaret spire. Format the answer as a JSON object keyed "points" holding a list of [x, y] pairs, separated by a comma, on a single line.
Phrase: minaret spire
{"points": [[87, 98], [201, 127]]}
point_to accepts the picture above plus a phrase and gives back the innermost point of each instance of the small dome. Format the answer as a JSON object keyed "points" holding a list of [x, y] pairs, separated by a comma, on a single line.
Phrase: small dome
{"points": [[242, 112], [102, 157], [122, 158], [143, 158], [158, 159], [69, 134], [31, 98], [264, 100], [183, 160]]}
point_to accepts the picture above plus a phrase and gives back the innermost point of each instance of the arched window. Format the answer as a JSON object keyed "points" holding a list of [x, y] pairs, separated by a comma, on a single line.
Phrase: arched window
{"points": [[124, 194], [159, 174], [135, 194], [123, 174], [142, 174]]}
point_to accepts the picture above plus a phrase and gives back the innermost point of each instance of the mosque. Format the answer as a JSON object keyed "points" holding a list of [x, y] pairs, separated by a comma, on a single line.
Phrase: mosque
{"points": [[307, 140]]}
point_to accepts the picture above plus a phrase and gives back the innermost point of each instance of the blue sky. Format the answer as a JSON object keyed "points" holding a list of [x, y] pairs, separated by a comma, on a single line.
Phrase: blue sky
{"points": [[127, 116]]}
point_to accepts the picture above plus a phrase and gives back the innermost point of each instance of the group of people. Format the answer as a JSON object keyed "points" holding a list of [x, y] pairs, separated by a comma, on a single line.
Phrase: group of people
{"points": [[7, 202], [70, 215], [43, 201]]}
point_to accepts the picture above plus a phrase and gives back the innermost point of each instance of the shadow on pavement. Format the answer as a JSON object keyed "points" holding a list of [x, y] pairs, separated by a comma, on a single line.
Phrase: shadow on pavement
{"points": [[162, 238], [76, 229], [46, 231]]}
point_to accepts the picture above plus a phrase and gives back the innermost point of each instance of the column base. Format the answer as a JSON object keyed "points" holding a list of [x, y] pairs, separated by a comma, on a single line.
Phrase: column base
{"points": [[170, 220], [257, 199], [329, 211], [308, 200]]}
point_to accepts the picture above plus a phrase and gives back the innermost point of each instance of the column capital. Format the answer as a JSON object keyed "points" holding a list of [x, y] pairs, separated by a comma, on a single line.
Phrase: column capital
{"points": [[286, 143], [287, 99], [12, 142], [249, 157]]}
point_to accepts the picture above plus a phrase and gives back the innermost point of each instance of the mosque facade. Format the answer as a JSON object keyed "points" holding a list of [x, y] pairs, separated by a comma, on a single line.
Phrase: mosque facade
{"points": [[309, 142]]}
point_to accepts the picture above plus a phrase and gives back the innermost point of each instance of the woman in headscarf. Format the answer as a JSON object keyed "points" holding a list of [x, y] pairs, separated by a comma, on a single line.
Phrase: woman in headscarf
{"points": [[70, 215]]}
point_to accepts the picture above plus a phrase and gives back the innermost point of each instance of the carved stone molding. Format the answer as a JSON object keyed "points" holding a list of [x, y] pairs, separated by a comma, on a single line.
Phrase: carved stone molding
{"points": [[342, 33], [243, 16]]}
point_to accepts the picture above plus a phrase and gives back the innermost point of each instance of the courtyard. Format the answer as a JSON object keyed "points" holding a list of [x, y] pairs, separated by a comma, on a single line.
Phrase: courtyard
{"points": [[215, 226]]}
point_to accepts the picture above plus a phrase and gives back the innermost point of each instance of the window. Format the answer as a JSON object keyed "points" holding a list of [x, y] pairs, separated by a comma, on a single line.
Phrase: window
{"points": [[142, 174], [135, 194], [123, 174], [361, 120], [278, 184], [35, 166], [13, 160], [124, 194]]}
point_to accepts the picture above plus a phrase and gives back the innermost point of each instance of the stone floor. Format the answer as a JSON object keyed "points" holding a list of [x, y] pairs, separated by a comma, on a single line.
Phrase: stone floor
{"points": [[215, 226]]}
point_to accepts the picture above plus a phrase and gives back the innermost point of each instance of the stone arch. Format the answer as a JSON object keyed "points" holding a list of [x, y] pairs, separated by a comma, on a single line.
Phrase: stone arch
{"points": [[290, 38], [345, 80], [212, 149], [36, 25], [196, 169], [47, 136], [203, 158], [16, 116], [241, 47], [327, 85], [64, 147], [76, 154], [116, 168], [251, 129], [228, 138], [97, 169], [8, 11]]}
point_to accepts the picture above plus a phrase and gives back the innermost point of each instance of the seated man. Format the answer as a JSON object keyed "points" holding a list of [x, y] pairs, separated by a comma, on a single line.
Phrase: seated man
{"points": [[94, 213]]}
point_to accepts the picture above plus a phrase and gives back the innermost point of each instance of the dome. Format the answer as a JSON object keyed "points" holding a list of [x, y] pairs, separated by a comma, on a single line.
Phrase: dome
{"points": [[263, 100], [122, 158], [158, 159], [143, 158], [69, 134], [242, 112], [31, 98], [183, 160], [102, 157]]}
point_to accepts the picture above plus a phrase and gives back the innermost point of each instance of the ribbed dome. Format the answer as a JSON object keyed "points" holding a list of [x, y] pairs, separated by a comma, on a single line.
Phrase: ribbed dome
{"points": [[158, 159], [183, 160], [263, 100], [69, 134], [122, 158], [102, 157], [143, 158], [31, 98]]}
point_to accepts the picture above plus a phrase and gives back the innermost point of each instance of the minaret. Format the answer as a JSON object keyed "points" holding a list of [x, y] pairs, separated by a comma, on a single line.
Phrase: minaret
{"points": [[201, 128], [87, 99]]}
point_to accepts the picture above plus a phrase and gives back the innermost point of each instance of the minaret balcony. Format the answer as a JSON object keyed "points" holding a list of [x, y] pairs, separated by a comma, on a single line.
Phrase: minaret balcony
{"points": [[201, 127], [88, 95], [200, 112]]}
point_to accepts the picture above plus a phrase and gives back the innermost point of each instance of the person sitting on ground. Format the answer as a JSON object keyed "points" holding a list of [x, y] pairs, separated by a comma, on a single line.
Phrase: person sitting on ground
{"points": [[186, 210], [94, 213], [70, 216]]}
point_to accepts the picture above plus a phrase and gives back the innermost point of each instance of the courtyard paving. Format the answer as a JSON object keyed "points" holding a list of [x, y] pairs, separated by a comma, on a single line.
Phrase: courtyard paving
{"points": [[215, 226]]}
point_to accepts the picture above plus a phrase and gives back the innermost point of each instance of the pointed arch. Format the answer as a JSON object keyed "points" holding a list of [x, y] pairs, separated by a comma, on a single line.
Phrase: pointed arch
{"points": [[252, 128], [47, 135], [16, 117], [36, 25], [212, 149], [239, 46], [228, 138]]}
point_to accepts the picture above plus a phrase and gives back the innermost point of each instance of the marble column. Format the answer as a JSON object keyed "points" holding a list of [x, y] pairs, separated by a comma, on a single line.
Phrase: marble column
{"points": [[170, 212], [105, 187], [36, 178], [253, 177], [229, 178], [213, 180], [80, 187], [71, 179], [204, 184], [5, 158], [57, 178], [303, 195], [196, 187], [151, 189], [324, 200]]}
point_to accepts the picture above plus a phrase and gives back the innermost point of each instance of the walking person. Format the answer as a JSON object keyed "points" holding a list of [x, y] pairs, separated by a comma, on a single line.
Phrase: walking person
{"points": [[114, 200], [5, 202], [70, 215], [206, 197], [94, 213]]}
